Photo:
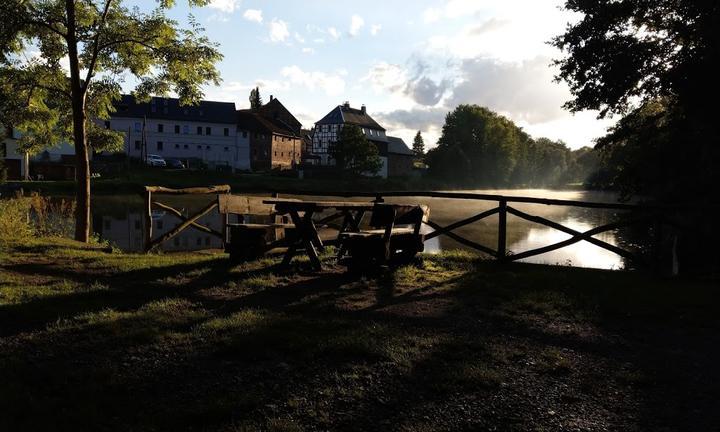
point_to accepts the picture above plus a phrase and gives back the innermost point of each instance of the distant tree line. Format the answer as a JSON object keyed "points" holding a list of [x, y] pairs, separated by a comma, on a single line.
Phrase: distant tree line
{"points": [[480, 148]]}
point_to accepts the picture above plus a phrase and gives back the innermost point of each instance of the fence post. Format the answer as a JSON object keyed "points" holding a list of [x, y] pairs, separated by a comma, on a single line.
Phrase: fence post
{"points": [[502, 231], [148, 220]]}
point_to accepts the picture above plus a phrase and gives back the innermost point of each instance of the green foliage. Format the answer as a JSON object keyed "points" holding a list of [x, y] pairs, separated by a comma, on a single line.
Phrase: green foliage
{"points": [[14, 223], [112, 41], [255, 99], [481, 148], [419, 146], [354, 154], [654, 63]]}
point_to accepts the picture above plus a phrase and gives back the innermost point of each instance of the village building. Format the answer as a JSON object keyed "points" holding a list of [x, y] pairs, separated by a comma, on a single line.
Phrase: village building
{"points": [[327, 132], [274, 134], [203, 134], [16, 163], [400, 158]]}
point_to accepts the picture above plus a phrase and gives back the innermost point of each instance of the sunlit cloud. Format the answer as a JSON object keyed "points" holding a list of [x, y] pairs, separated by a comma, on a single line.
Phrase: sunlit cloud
{"points": [[255, 15]]}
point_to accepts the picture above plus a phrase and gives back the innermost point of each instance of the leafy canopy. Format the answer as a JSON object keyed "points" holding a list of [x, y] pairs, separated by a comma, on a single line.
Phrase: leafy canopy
{"points": [[354, 153], [52, 50]]}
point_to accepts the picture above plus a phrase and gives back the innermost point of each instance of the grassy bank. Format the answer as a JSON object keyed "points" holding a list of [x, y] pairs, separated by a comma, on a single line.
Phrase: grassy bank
{"points": [[95, 340]]}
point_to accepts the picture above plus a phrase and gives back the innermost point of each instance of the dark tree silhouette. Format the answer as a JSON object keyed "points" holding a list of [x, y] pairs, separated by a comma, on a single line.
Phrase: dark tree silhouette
{"points": [[255, 99]]}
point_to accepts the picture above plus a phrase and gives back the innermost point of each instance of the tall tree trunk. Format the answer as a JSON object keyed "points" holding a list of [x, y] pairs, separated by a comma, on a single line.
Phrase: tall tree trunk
{"points": [[82, 173], [82, 164]]}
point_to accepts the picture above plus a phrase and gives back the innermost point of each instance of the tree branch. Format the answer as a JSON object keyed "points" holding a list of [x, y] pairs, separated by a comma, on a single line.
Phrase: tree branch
{"points": [[96, 46]]}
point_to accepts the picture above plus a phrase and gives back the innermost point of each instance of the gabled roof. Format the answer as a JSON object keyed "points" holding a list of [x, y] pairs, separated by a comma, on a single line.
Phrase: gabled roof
{"points": [[170, 109], [276, 110], [253, 121], [343, 114], [397, 146]]}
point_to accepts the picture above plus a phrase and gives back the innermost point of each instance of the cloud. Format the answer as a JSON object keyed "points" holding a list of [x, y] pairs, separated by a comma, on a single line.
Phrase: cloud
{"points": [[278, 30], [253, 15], [356, 24], [419, 87], [227, 6], [332, 85], [432, 15], [418, 119], [299, 38], [308, 50], [524, 91], [334, 33], [375, 29]]}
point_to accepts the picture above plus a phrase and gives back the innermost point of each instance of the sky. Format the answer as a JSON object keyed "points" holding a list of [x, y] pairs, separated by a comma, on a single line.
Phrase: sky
{"points": [[410, 63]]}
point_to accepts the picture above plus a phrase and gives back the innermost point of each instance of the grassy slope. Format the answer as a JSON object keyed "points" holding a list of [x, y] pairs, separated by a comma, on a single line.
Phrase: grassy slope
{"points": [[91, 340]]}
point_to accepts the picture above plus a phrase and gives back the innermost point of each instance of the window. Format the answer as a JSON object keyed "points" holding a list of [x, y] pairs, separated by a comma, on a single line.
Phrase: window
{"points": [[185, 147], [244, 134], [137, 145], [159, 145], [282, 154], [161, 128], [325, 128], [208, 131], [207, 241], [138, 127], [159, 224], [137, 225], [199, 147], [275, 154], [227, 148], [198, 241], [177, 146], [199, 130], [177, 129], [207, 147], [186, 129], [226, 131]]}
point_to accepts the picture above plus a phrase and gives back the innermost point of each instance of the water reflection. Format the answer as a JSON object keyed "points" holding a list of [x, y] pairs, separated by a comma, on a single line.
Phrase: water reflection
{"points": [[119, 220]]}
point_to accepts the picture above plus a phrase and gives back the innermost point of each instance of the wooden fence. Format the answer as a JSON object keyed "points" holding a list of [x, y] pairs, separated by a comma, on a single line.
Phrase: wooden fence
{"points": [[185, 222], [655, 216]]}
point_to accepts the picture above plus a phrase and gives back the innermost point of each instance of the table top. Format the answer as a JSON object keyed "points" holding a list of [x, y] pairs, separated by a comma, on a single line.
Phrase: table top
{"points": [[284, 204]]}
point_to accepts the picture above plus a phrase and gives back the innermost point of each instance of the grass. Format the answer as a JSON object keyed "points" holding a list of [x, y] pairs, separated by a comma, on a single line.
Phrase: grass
{"points": [[92, 339]]}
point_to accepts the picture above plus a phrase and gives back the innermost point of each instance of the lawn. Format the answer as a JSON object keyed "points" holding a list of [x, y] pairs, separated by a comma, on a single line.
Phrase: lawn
{"points": [[92, 339]]}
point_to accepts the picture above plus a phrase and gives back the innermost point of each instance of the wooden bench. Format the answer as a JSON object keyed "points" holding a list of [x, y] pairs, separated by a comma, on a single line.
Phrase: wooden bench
{"points": [[258, 228], [394, 237]]}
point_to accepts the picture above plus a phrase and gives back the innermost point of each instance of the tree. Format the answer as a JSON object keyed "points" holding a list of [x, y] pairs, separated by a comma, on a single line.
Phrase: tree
{"points": [[255, 99], [630, 57], [354, 154], [419, 146], [477, 148], [103, 42]]}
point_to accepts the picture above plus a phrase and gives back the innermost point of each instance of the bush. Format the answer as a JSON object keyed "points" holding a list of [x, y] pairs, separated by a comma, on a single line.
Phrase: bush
{"points": [[52, 217], [14, 220]]}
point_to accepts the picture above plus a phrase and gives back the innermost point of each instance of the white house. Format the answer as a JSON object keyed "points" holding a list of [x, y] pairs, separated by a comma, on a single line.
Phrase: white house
{"points": [[328, 129], [207, 132], [16, 162]]}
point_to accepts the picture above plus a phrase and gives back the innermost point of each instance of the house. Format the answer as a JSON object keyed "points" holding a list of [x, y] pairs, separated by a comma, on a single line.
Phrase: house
{"points": [[327, 131], [200, 134], [16, 162], [274, 136], [400, 158]]}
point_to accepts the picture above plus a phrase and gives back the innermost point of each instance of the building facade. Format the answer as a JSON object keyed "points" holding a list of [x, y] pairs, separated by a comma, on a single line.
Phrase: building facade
{"points": [[400, 158], [15, 161], [274, 134], [206, 133], [327, 131]]}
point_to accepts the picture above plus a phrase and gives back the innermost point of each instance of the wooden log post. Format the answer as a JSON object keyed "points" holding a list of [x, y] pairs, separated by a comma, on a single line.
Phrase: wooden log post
{"points": [[502, 231], [148, 220]]}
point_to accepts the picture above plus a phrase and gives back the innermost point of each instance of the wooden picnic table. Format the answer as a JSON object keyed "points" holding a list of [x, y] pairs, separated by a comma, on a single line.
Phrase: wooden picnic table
{"points": [[301, 214]]}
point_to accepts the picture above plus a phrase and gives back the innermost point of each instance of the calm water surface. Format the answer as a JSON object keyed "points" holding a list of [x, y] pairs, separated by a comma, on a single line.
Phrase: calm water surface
{"points": [[119, 219]]}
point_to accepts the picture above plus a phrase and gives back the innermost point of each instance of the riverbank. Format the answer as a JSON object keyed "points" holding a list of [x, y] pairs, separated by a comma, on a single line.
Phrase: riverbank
{"points": [[135, 179], [95, 339]]}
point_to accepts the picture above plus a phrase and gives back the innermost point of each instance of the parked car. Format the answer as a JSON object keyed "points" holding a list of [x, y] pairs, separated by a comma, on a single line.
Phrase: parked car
{"points": [[175, 164], [156, 161]]}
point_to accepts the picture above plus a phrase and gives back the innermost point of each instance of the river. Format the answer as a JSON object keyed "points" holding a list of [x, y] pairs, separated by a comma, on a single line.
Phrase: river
{"points": [[119, 220]]}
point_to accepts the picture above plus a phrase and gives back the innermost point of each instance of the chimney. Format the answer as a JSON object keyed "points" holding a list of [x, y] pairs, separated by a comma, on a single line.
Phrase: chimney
{"points": [[271, 98], [346, 104], [363, 109]]}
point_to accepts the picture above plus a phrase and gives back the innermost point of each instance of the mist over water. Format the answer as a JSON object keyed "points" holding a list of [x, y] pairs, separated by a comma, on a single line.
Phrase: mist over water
{"points": [[119, 220]]}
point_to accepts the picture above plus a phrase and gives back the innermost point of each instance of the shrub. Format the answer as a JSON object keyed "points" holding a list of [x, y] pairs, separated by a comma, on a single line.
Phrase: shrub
{"points": [[14, 219], [53, 217]]}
